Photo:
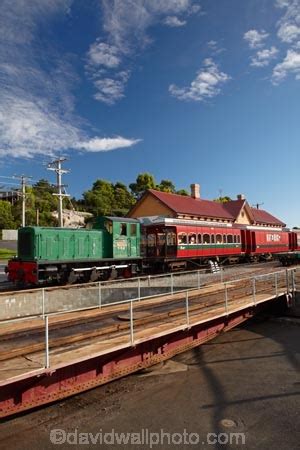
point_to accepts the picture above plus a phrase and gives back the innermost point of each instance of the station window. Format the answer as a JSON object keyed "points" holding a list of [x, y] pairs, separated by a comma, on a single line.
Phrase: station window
{"points": [[133, 229], [182, 238], [199, 238], [213, 238], [192, 238], [151, 240], [219, 239], [206, 239], [229, 239], [123, 229]]}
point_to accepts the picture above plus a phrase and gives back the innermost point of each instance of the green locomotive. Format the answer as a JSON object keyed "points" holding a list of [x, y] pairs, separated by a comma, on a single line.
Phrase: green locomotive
{"points": [[111, 247]]}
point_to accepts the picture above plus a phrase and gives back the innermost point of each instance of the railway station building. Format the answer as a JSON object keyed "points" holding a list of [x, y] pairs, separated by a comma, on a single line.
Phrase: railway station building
{"points": [[162, 204]]}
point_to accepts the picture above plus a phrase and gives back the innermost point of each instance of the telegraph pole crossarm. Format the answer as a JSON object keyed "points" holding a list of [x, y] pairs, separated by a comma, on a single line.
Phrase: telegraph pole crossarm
{"points": [[56, 166]]}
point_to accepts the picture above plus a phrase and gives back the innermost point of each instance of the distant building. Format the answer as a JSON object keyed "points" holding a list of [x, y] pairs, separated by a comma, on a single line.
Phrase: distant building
{"points": [[73, 219], [156, 203], [9, 196]]}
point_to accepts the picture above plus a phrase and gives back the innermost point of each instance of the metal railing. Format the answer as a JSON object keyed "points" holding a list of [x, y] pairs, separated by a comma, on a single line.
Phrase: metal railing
{"points": [[43, 301], [237, 294]]}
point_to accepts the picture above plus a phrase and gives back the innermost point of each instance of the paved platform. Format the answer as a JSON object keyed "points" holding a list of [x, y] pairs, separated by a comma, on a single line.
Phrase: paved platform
{"points": [[247, 378]]}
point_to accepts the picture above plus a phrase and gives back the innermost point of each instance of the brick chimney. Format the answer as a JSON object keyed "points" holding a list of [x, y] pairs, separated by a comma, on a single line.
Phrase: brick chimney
{"points": [[195, 190], [240, 197]]}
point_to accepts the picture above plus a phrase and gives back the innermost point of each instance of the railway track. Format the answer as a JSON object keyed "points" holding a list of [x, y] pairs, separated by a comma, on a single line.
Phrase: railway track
{"points": [[237, 269], [74, 330]]}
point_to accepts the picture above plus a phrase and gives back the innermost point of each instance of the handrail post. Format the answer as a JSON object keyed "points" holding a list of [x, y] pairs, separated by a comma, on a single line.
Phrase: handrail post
{"points": [[47, 359], [276, 284], [254, 290], [172, 284], [226, 298], [139, 288], [293, 281], [43, 303], [187, 309], [131, 324], [287, 281], [222, 274], [99, 295]]}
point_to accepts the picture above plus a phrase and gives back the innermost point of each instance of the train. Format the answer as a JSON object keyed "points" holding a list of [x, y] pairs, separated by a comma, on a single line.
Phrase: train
{"points": [[115, 247]]}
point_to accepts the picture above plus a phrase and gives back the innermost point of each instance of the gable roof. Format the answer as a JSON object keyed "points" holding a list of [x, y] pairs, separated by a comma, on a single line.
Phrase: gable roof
{"points": [[182, 204], [262, 216]]}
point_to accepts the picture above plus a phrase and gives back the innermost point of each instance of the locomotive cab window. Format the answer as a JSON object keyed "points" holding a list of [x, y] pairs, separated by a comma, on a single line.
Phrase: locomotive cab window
{"points": [[133, 229], [123, 229], [108, 226]]}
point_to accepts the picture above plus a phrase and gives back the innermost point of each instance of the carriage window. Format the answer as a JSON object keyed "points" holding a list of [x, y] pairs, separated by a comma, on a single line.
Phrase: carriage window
{"points": [[206, 239], [133, 229], [192, 239], [224, 239], [161, 237], [238, 240], [235, 238], [182, 239], [219, 239], [213, 238], [123, 229], [229, 239], [171, 239], [151, 240], [199, 238]]}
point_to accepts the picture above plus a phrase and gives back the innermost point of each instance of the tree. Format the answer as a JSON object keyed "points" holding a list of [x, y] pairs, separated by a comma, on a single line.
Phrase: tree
{"points": [[123, 199], [182, 192], [6, 218], [143, 182], [100, 199], [166, 186], [223, 199]]}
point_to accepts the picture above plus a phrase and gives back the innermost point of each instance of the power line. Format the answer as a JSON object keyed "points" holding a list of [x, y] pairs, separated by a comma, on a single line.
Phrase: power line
{"points": [[56, 167]]}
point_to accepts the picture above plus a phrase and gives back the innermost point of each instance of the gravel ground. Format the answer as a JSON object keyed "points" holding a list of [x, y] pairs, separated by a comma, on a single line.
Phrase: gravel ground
{"points": [[245, 381]]}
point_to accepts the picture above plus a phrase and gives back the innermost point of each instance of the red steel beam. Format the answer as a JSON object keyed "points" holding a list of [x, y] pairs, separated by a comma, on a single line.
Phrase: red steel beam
{"points": [[72, 379]]}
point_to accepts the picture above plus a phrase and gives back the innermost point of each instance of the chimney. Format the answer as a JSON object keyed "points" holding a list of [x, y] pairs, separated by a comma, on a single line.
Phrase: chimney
{"points": [[195, 190], [240, 197]]}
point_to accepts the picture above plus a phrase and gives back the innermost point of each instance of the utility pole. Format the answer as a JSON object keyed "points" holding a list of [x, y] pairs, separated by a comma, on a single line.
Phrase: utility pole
{"points": [[23, 179], [57, 168]]}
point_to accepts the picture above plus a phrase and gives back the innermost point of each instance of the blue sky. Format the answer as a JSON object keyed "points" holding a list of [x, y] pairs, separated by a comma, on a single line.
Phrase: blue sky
{"points": [[189, 90]]}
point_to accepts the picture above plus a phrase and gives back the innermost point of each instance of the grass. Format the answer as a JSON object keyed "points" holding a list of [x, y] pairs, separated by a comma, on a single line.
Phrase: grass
{"points": [[6, 253]]}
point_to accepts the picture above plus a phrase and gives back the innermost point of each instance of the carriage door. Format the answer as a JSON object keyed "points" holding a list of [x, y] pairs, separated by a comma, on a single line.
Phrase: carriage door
{"points": [[171, 247], [243, 241], [161, 244]]}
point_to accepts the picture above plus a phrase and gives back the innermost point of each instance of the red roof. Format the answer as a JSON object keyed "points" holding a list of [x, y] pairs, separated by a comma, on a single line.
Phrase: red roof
{"points": [[262, 216], [182, 204]]}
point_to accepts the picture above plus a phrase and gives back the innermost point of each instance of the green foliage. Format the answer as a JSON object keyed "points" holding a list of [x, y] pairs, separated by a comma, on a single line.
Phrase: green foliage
{"points": [[182, 192], [166, 186], [6, 217], [6, 253], [143, 182], [223, 199]]}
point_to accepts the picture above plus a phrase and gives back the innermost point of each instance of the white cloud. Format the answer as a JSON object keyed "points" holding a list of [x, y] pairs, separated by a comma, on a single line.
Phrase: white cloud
{"points": [[290, 64], [264, 57], [101, 54], [173, 21], [255, 38], [206, 84], [106, 144], [37, 105], [126, 24], [289, 24]]}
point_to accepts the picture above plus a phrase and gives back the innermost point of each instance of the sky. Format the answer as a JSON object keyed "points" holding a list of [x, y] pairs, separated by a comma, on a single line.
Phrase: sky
{"points": [[196, 91]]}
